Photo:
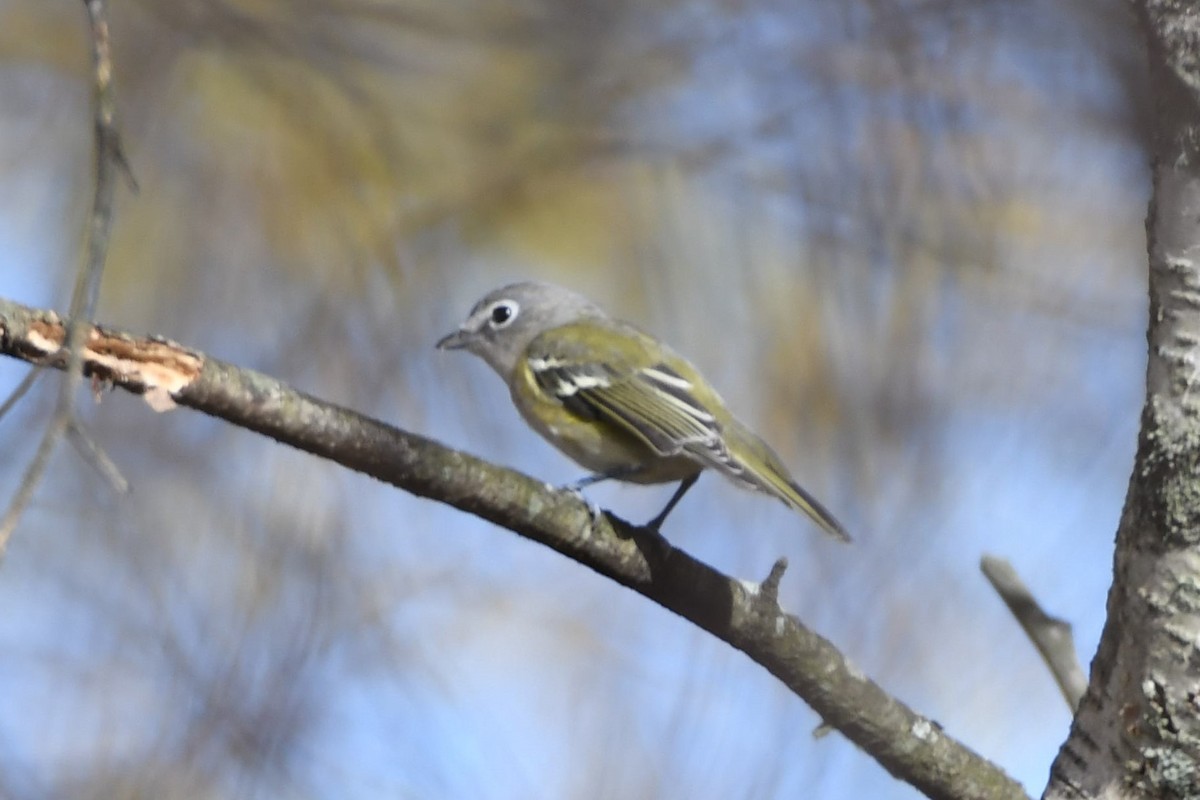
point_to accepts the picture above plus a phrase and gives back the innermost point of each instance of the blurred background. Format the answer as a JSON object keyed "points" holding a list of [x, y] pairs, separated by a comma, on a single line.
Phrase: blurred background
{"points": [[903, 237]]}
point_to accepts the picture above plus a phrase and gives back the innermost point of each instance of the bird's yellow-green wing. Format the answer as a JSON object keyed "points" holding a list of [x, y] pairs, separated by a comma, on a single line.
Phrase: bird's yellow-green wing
{"points": [[617, 374]]}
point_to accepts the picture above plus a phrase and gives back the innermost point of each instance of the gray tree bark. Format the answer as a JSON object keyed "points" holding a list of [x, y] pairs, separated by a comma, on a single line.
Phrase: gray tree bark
{"points": [[1137, 733]]}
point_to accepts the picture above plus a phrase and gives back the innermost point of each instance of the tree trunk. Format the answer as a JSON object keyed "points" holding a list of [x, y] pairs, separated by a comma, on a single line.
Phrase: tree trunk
{"points": [[1137, 733]]}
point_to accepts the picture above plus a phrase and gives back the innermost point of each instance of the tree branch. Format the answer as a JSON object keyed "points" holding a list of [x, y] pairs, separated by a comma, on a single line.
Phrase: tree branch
{"points": [[747, 616], [1051, 636]]}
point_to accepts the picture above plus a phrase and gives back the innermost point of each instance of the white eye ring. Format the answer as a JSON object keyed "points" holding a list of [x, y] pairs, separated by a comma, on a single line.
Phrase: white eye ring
{"points": [[502, 313]]}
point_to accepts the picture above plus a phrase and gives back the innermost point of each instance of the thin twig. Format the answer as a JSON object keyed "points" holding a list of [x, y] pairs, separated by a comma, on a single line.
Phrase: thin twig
{"points": [[24, 386], [1050, 635], [109, 158], [94, 454]]}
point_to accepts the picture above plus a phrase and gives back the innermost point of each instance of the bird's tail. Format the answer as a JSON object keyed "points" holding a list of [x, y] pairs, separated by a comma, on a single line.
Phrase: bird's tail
{"points": [[757, 464]]}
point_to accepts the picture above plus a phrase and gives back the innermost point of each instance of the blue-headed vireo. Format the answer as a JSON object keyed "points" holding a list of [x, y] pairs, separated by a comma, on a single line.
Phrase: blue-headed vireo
{"points": [[616, 400]]}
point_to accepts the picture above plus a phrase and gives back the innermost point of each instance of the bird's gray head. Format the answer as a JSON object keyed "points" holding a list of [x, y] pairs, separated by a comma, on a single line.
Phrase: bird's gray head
{"points": [[506, 320]]}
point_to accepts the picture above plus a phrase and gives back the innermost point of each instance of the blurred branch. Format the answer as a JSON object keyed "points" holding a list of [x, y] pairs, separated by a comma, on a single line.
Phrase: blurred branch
{"points": [[745, 615], [1050, 635], [109, 157], [24, 386], [94, 454]]}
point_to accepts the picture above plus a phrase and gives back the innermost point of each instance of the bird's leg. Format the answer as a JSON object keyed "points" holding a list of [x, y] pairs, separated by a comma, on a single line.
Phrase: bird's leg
{"points": [[616, 473], [613, 474], [684, 485]]}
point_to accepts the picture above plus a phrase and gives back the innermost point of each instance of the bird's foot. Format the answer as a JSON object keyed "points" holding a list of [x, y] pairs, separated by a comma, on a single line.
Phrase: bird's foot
{"points": [[594, 511]]}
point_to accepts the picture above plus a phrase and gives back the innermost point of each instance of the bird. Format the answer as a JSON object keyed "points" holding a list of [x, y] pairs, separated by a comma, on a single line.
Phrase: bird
{"points": [[617, 401]]}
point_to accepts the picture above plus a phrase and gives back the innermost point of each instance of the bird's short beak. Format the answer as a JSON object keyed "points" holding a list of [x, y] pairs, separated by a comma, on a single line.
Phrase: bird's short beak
{"points": [[454, 341]]}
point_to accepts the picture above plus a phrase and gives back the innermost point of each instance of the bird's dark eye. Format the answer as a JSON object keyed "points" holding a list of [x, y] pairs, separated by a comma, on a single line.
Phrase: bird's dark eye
{"points": [[503, 313]]}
